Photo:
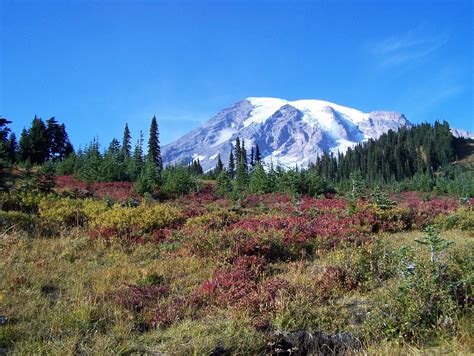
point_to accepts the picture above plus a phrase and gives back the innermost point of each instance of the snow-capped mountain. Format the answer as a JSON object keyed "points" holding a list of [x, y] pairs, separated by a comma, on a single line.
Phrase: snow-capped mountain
{"points": [[288, 133], [460, 133]]}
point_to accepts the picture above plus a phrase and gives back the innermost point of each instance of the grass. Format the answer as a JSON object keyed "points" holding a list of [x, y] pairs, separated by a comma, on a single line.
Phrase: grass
{"points": [[56, 295]]}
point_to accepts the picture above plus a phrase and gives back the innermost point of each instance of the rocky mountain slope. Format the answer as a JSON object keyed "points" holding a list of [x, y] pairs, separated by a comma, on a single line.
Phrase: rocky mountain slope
{"points": [[288, 133]]}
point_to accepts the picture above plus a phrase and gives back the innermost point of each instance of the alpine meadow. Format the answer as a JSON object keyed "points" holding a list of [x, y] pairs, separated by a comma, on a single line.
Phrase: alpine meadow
{"points": [[158, 196]]}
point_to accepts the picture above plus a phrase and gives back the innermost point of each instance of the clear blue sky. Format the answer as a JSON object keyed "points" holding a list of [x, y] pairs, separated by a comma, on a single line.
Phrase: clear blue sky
{"points": [[95, 65]]}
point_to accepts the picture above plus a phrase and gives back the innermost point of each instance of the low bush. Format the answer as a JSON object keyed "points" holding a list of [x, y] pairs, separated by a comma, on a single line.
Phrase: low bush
{"points": [[144, 218], [462, 219], [66, 212], [16, 220]]}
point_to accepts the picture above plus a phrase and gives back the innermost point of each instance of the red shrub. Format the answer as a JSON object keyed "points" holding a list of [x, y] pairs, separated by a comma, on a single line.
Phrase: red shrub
{"points": [[136, 298]]}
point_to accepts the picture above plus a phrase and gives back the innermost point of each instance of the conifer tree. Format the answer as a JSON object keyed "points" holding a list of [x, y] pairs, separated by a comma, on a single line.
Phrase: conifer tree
{"points": [[241, 174], [231, 165], [12, 147], [59, 146], [252, 157], [38, 139], [4, 152], [112, 168], [219, 166], [258, 180], [24, 149], [126, 142], [148, 178], [258, 157], [154, 149], [224, 184], [136, 163]]}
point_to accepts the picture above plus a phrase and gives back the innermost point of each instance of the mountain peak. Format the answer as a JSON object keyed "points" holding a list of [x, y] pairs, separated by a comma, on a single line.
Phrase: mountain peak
{"points": [[288, 133]]}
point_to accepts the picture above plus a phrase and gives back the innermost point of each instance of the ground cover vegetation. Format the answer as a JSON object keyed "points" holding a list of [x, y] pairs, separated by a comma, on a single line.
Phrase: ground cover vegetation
{"points": [[245, 259]]}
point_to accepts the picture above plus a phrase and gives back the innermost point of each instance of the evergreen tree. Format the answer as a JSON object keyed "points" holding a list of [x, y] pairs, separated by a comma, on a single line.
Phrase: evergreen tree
{"points": [[252, 157], [241, 175], [67, 166], [38, 140], [126, 142], [59, 146], [316, 185], [195, 168], [177, 181], [90, 165], [24, 147], [219, 166], [45, 180], [154, 150], [148, 178], [4, 150], [224, 184], [12, 148], [136, 163], [258, 180], [231, 165], [258, 157], [112, 167]]}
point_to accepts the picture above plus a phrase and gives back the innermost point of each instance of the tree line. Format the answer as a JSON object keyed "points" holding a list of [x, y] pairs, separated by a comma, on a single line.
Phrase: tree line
{"points": [[417, 158]]}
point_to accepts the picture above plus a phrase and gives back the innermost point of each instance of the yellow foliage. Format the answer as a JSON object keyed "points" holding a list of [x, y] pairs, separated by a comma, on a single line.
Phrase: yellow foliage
{"points": [[144, 217], [462, 218], [70, 212], [214, 220]]}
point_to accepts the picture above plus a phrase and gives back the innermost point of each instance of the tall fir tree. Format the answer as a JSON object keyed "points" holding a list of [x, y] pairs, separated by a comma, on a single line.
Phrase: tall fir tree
{"points": [[219, 166], [136, 162], [4, 152], [258, 156], [154, 149], [24, 147], [126, 142], [241, 174], [12, 148], [258, 180], [231, 165], [252, 157], [39, 143]]}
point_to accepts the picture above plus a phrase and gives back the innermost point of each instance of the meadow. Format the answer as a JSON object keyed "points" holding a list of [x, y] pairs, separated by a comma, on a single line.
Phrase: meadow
{"points": [[99, 270]]}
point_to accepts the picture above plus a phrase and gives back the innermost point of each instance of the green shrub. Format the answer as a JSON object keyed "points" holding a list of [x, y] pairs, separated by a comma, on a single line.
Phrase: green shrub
{"points": [[462, 219], [16, 219]]}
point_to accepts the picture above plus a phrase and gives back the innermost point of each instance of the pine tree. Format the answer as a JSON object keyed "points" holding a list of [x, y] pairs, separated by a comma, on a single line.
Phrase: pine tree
{"points": [[126, 142], [224, 184], [12, 148], [90, 168], [219, 166], [258, 180], [315, 184], [39, 143], [136, 163], [177, 181], [252, 157], [231, 165], [241, 174], [148, 178], [112, 168], [45, 179], [258, 157], [154, 150], [4, 152], [24, 148], [59, 146]]}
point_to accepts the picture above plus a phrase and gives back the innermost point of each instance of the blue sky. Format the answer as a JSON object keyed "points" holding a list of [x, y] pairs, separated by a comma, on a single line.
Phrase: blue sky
{"points": [[95, 65]]}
